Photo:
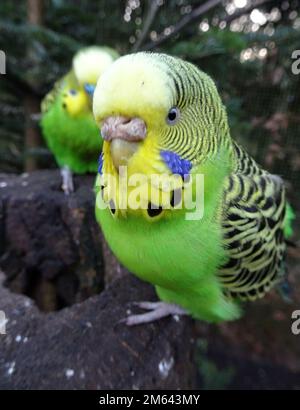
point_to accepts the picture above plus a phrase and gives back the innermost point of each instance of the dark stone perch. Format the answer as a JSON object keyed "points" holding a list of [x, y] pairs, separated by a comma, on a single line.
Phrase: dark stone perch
{"points": [[52, 250], [51, 247], [50, 244], [84, 346]]}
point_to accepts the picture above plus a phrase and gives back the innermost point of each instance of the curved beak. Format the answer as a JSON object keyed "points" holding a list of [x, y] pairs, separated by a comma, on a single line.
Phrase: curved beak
{"points": [[124, 135]]}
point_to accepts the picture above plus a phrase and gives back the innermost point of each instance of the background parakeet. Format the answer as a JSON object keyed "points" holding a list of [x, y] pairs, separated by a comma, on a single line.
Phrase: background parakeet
{"points": [[67, 121], [162, 115]]}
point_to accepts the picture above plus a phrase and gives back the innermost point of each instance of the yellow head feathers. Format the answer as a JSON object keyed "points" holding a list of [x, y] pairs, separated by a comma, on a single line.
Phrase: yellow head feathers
{"points": [[135, 85], [178, 103], [90, 63]]}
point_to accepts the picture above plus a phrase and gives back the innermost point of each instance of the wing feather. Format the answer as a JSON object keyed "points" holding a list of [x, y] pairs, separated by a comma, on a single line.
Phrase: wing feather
{"points": [[253, 223]]}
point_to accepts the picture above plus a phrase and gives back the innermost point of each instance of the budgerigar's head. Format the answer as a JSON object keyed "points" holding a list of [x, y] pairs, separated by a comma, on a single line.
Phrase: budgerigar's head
{"points": [[148, 96], [158, 113], [90, 63]]}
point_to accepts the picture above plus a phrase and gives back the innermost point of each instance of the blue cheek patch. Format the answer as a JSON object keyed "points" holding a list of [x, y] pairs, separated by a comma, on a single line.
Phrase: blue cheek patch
{"points": [[73, 92], [89, 89], [175, 163], [100, 163]]}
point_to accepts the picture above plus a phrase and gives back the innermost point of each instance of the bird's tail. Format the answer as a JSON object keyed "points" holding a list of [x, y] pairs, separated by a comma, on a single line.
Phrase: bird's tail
{"points": [[288, 221]]}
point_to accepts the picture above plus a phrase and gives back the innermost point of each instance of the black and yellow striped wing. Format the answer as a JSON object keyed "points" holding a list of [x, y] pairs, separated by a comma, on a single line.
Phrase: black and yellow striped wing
{"points": [[253, 222], [50, 98]]}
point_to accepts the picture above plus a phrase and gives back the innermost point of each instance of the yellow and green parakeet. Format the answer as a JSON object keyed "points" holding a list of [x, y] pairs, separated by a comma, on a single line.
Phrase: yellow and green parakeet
{"points": [[160, 115], [67, 120]]}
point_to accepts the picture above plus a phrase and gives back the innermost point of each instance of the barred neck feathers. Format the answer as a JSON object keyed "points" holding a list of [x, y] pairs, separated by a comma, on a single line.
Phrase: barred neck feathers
{"points": [[244, 163], [204, 129]]}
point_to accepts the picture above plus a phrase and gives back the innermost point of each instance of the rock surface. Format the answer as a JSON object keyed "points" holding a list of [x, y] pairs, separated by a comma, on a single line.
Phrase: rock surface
{"points": [[85, 346], [52, 250], [50, 243]]}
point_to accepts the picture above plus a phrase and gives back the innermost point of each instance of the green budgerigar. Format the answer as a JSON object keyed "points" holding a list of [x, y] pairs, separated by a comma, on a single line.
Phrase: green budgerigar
{"points": [[162, 116], [67, 120]]}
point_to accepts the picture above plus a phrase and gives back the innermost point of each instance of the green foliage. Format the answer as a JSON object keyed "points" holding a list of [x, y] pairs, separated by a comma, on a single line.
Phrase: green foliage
{"points": [[212, 377], [211, 43]]}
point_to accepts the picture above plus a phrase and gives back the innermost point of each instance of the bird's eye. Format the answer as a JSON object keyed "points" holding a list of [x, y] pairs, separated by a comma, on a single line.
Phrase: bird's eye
{"points": [[173, 116]]}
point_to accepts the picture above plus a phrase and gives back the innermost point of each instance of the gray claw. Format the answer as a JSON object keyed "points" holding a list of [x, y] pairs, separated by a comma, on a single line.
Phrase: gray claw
{"points": [[157, 310]]}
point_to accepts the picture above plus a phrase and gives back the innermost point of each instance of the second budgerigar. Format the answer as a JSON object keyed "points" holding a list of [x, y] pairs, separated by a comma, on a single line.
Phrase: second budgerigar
{"points": [[67, 120]]}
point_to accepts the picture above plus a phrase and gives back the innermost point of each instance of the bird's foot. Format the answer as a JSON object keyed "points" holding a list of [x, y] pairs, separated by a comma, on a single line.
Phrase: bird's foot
{"points": [[157, 310], [67, 180]]}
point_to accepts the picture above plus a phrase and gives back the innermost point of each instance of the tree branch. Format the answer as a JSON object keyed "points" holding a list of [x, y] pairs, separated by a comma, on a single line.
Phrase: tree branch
{"points": [[35, 14], [186, 20], [153, 8], [198, 12], [228, 19]]}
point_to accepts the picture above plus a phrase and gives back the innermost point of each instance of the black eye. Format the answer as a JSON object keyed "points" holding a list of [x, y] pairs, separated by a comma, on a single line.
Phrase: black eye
{"points": [[173, 116]]}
